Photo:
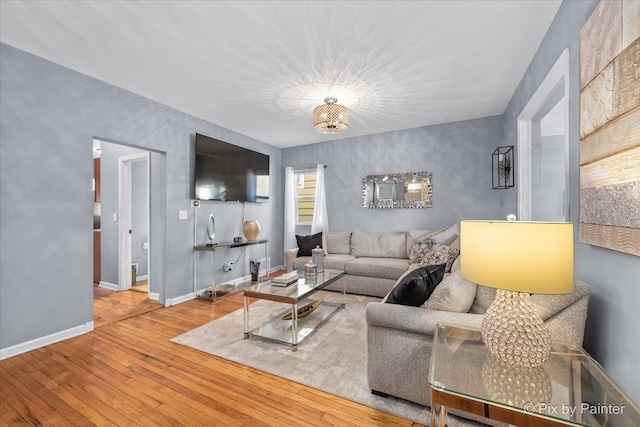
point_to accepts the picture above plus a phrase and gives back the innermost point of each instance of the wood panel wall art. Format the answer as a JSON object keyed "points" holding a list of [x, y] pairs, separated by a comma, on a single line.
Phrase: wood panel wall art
{"points": [[610, 127]]}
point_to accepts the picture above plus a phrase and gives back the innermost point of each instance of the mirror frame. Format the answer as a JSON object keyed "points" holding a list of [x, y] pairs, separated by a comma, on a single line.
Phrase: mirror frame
{"points": [[391, 184]]}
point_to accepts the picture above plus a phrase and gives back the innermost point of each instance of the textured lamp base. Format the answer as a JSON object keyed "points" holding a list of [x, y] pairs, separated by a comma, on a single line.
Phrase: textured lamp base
{"points": [[515, 385], [513, 332]]}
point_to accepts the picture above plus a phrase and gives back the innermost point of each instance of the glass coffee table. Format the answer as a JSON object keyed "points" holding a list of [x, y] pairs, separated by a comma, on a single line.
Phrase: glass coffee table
{"points": [[570, 388], [303, 317]]}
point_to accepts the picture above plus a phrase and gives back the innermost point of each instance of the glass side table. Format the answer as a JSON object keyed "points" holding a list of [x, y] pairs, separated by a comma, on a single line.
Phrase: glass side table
{"points": [[571, 388]]}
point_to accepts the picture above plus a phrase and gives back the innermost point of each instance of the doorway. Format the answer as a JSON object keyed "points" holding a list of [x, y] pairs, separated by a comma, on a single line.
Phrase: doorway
{"points": [[124, 204], [133, 229], [543, 149]]}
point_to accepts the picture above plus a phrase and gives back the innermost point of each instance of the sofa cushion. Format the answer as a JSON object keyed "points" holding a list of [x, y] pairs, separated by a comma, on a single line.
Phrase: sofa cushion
{"points": [[443, 236], [307, 243], [384, 268], [548, 305], [456, 265], [456, 243], [332, 261], [378, 245], [338, 242], [337, 261], [414, 288], [429, 252], [448, 235], [452, 294], [300, 262], [415, 236], [484, 298]]}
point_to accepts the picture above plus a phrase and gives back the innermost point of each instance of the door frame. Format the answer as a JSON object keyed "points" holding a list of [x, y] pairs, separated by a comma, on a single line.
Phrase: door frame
{"points": [[559, 73], [125, 217]]}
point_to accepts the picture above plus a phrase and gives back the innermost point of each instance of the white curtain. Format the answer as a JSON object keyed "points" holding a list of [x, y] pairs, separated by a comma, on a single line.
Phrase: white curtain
{"points": [[290, 190], [320, 220]]}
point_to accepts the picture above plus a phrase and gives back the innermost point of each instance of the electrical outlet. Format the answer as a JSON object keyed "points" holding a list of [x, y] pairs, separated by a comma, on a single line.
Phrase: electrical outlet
{"points": [[228, 266], [182, 214]]}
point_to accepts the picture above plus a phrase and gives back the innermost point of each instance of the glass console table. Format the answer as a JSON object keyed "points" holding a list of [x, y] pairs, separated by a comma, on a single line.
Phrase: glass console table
{"points": [[227, 245], [570, 388]]}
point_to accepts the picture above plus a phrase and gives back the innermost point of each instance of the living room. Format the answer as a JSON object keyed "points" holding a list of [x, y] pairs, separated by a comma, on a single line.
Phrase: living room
{"points": [[51, 113]]}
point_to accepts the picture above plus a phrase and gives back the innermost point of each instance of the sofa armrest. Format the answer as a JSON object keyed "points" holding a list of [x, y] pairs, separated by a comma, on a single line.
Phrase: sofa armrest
{"points": [[417, 319], [289, 256]]}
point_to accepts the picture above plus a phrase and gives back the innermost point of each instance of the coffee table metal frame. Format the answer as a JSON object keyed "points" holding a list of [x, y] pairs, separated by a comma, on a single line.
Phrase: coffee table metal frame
{"points": [[292, 331]]}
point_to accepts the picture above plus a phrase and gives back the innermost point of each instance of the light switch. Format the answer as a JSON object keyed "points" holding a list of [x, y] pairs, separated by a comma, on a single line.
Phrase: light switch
{"points": [[182, 214], [115, 216]]}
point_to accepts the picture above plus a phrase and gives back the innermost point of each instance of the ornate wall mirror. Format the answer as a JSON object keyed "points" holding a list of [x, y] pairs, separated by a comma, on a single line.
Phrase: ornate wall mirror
{"points": [[397, 191]]}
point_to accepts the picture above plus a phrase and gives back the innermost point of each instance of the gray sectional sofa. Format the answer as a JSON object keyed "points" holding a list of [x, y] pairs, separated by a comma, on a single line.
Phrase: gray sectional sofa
{"points": [[372, 261], [400, 338]]}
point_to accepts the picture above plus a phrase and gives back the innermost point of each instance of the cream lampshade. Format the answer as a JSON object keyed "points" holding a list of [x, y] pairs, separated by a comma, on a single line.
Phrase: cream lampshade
{"points": [[517, 258]]}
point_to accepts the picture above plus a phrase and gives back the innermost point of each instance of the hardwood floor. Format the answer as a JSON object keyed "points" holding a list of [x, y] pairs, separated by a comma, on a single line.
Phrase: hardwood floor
{"points": [[111, 306], [127, 373]]}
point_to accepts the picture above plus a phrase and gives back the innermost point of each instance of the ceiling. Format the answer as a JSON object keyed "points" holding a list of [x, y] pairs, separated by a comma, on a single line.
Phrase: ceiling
{"points": [[260, 67]]}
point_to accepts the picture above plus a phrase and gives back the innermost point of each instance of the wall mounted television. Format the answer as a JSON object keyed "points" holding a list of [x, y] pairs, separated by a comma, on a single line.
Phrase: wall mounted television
{"points": [[227, 172]]}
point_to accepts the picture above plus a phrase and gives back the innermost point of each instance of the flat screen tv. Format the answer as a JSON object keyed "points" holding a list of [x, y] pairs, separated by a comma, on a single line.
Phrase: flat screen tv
{"points": [[226, 172]]}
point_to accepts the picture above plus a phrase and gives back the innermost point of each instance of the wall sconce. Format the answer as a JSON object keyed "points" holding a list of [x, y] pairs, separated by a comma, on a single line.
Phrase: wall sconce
{"points": [[502, 167]]}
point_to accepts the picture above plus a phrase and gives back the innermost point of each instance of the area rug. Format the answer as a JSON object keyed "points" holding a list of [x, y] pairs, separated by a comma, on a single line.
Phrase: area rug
{"points": [[333, 359]]}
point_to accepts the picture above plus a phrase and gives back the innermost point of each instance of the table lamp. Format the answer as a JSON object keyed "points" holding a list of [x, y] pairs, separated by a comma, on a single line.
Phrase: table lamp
{"points": [[517, 258]]}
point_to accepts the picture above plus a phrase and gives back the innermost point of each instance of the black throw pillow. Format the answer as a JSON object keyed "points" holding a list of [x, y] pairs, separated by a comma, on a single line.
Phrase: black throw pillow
{"points": [[416, 287], [307, 243]]}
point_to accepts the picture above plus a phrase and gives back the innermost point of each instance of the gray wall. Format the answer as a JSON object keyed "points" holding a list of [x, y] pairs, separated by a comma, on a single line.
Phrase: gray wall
{"points": [[614, 319], [49, 116], [458, 154]]}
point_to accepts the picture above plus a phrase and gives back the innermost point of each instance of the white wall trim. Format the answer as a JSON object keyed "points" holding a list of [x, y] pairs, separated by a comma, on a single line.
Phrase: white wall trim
{"points": [[179, 300], [143, 277], [154, 296], [107, 285], [558, 72], [46, 340]]}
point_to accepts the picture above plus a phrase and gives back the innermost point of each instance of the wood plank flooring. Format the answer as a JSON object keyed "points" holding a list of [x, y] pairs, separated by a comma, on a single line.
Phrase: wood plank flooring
{"points": [[127, 373], [112, 306]]}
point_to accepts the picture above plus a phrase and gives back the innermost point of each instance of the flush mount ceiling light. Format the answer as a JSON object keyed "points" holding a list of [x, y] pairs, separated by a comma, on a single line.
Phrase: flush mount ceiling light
{"points": [[330, 117]]}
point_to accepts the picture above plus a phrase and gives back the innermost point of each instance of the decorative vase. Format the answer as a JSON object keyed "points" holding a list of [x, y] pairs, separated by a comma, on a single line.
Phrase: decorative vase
{"points": [[251, 229], [254, 269]]}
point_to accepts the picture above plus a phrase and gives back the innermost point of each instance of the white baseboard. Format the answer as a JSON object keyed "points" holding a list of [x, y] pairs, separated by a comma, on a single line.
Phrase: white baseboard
{"points": [[154, 296], [192, 295], [179, 300], [141, 278], [274, 269], [110, 286], [46, 340]]}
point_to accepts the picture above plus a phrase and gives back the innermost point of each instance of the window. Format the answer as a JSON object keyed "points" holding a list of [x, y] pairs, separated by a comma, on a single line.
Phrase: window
{"points": [[306, 182]]}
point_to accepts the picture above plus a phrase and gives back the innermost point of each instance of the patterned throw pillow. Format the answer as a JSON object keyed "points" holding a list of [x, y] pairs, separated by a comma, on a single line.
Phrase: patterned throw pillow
{"points": [[429, 252], [420, 250]]}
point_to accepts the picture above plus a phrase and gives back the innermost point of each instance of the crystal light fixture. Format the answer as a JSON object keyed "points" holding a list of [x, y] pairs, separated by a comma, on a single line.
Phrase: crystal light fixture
{"points": [[330, 117], [517, 258]]}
